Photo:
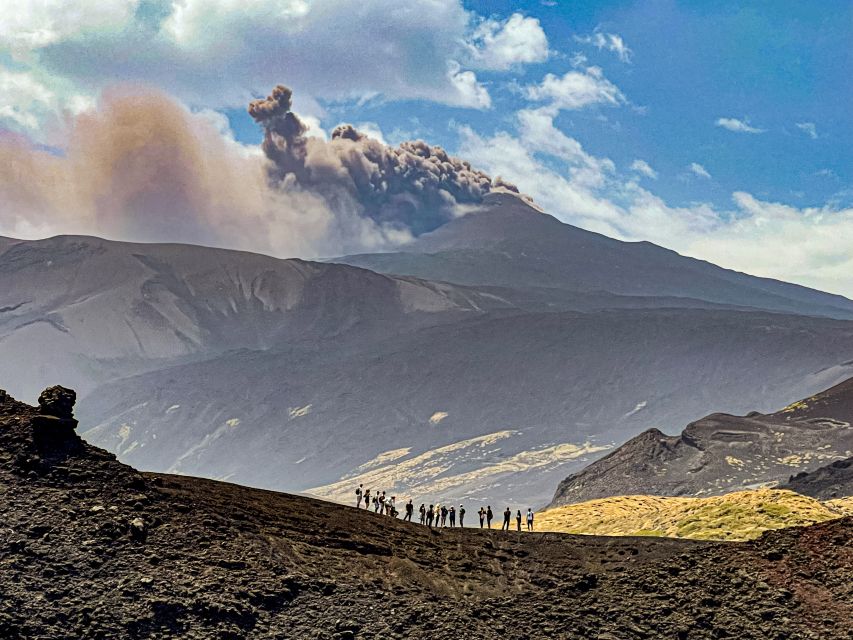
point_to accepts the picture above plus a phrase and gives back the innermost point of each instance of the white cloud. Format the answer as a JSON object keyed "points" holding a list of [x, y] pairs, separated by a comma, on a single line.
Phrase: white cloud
{"points": [[739, 126], [576, 90], [608, 41], [809, 128], [27, 104], [28, 24], [642, 167], [220, 53], [747, 238], [697, 169], [500, 45]]}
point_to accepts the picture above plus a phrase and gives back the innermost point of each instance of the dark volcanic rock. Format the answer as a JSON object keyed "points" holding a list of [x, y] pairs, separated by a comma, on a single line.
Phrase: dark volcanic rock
{"points": [[58, 401], [721, 453], [831, 481], [223, 561]]}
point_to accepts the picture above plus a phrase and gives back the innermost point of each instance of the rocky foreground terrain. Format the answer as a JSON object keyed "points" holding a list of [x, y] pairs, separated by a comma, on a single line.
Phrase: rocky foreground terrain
{"points": [[91, 548]]}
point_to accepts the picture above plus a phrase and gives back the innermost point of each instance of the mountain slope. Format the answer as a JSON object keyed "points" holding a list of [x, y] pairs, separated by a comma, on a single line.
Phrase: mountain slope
{"points": [[105, 309], [93, 549], [544, 390], [510, 244], [741, 515], [834, 480], [721, 452]]}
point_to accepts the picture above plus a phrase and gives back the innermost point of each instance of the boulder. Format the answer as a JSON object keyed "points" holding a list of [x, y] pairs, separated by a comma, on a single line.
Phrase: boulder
{"points": [[58, 401]]}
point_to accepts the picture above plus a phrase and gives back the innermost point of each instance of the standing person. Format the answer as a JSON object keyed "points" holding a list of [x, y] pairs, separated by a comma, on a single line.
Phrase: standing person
{"points": [[461, 516], [507, 516], [376, 503], [422, 511], [392, 507], [410, 509], [518, 519], [452, 517], [482, 514], [443, 515], [367, 498], [382, 503], [529, 519], [358, 493], [430, 516], [489, 516]]}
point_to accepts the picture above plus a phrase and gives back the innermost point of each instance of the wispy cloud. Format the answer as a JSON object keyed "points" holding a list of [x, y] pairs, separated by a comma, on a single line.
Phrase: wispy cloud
{"points": [[739, 126], [576, 90], [642, 167], [608, 41], [808, 128], [699, 170]]}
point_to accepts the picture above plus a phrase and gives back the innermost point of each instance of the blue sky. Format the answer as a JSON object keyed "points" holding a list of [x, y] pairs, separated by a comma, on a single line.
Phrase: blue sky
{"points": [[722, 130]]}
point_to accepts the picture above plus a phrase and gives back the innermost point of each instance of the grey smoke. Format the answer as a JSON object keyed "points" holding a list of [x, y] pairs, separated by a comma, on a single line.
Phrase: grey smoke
{"points": [[414, 187]]}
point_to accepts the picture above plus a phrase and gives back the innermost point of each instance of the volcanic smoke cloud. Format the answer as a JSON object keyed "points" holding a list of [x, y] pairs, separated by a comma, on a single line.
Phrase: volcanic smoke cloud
{"points": [[414, 186], [143, 167]]}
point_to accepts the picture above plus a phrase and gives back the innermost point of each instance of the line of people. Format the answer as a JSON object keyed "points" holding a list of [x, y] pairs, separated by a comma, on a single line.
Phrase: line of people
{"points": [[437, 515]]}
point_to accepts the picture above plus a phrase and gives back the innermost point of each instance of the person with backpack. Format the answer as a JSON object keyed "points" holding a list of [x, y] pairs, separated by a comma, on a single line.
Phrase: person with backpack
{"points": [[376, 503], [382, 503], [443, 515], [430, 516], [461, 516], [392, 507], [482, 514], [452, 514], [507, 517], [358, 494], [422, 511], [518, 519], [410, 509], [529, 519], [489, 516], [367, 498]]}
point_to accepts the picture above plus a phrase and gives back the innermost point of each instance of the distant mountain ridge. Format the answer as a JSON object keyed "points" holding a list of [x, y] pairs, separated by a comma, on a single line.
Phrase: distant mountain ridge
{"points": [[722, 453], [508, 243], [297, 375]]}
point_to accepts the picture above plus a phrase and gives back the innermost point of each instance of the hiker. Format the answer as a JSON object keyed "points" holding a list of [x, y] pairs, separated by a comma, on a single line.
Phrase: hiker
{"points": [[452, 514], [507, 516], [482, 514], [367, 498], [376, 504], [430, 516], [422, 511], [410, 509], [358, 494], [461, 516], [529, 519], [382, 503], [489, 516], [443, 515], [392, 507], [518, 519]]}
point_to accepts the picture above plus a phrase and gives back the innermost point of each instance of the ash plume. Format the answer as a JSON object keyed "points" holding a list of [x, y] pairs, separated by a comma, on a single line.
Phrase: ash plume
{"points": [[143, 167], [414, 187]]}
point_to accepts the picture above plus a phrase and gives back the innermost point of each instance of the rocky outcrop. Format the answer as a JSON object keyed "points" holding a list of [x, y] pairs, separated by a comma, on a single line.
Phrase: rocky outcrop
{"points": [[89, 548], [826, 483], [722, 453]]}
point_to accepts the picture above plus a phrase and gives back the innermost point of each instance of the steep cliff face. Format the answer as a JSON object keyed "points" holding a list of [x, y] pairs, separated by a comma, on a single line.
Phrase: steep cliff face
{"points": [[91, 548]]}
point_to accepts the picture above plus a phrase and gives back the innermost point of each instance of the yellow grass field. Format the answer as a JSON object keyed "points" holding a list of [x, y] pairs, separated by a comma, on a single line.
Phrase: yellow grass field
{"points": [[740, 515]]}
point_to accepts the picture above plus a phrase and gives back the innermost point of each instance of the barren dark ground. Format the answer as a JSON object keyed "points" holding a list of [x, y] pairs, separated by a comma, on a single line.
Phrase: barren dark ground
{"points": [[90, 548]]}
